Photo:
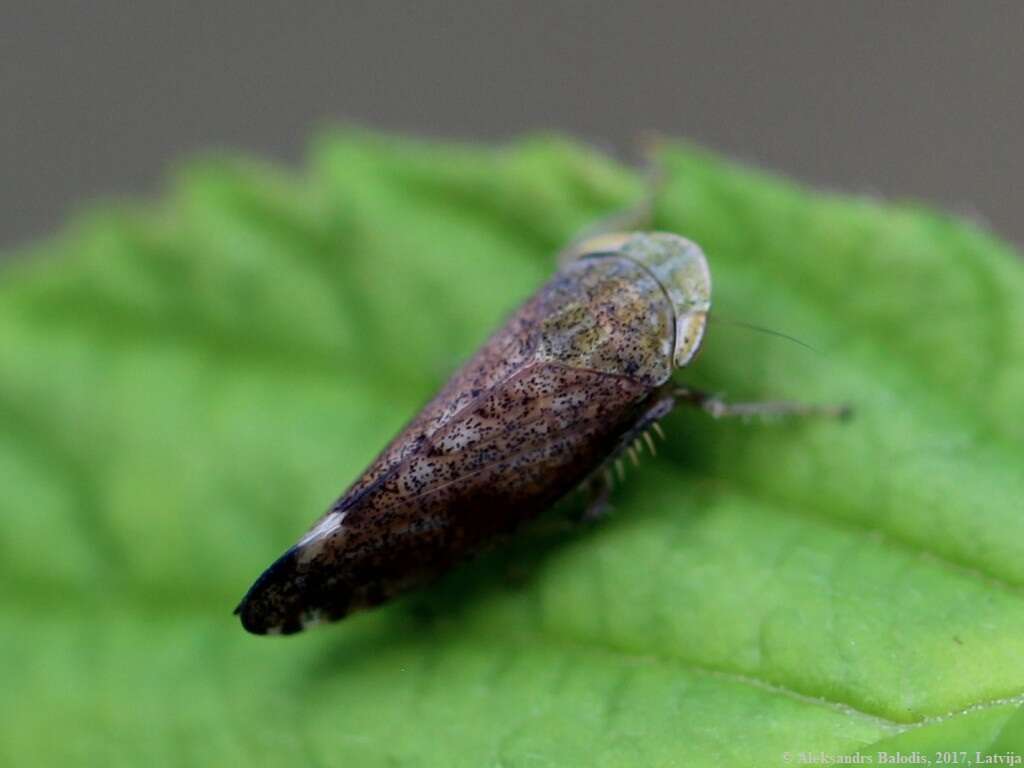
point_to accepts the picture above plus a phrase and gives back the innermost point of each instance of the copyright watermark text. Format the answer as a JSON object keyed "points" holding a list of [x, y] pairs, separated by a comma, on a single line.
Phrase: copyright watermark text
{"points": [[797, 757]]}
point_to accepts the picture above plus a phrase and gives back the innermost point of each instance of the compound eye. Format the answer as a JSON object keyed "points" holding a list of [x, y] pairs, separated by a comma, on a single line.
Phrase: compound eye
{"points": [[689, 332]]}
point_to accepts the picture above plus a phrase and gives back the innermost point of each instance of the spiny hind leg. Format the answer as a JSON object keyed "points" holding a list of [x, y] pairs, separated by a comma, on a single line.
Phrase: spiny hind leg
{"points": [[599, 485]]}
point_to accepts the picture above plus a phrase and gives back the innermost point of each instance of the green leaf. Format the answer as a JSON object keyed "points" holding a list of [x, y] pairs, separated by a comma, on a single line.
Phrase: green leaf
{"points": [[184, 387]]}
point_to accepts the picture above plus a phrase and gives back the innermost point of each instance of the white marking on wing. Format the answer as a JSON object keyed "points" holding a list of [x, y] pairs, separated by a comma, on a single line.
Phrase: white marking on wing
{"points": [[325, 527]]}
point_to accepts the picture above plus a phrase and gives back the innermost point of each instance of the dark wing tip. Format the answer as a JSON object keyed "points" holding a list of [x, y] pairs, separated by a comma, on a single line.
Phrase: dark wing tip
{"points": [[253, 618], [250, 623], [262, 610]]}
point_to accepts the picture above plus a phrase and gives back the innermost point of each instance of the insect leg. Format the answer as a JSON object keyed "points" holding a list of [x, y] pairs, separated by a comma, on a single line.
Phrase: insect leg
{"points": [[718, 407], [601, 482], [598, 489], [608, 231]]}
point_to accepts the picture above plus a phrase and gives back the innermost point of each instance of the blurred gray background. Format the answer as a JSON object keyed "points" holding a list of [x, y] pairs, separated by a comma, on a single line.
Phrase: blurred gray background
{"points": [[909, 99]]}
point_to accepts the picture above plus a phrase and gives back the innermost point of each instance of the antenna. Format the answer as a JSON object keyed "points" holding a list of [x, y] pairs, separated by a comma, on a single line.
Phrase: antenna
{"points": [[751, 327]]}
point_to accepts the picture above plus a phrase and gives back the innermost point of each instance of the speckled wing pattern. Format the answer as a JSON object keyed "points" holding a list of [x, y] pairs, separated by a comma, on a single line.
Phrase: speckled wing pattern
{"points": [[536, 410]]}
